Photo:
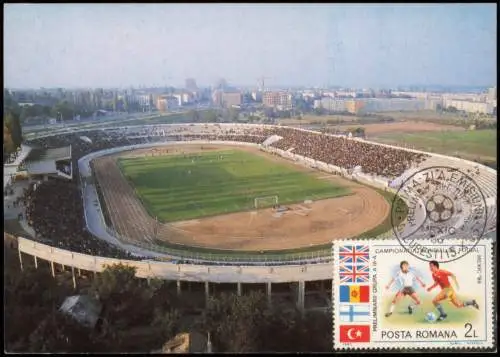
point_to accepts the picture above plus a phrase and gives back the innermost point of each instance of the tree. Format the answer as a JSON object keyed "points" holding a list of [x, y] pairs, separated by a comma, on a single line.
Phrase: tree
{"points": [[29, 297], [319, 111], [115, 102], [234, 321], [60, 333], [233, 114], [64, 110], [210, 116], [8, 144], [360, 131], [269, 113], [9, 104], [193, 116], [126, 106], [130, 303], [12, 122]]}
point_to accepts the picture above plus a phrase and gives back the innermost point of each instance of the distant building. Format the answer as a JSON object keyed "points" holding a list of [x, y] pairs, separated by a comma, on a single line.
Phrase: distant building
{"points": [[345, 94], [374, 105], [331, 104], [492, 94], [191, 85], [187, 98], [230, 99], [165, 103], [419, 95], [469, 106], [217, 97], [222, 84], [471, 97], [280, 100], [433, 102], [257, 96], [145, 101], [354, 106]]}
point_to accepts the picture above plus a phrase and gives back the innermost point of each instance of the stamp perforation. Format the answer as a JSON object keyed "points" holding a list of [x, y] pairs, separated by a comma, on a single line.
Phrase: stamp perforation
{"points": [[490, 314]]}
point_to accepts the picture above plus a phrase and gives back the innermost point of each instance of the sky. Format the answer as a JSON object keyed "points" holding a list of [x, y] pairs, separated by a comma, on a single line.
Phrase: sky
{"points": [[354, 45]]}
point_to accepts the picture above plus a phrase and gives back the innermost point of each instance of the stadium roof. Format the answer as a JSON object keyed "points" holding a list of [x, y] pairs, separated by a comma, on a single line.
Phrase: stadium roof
{"points": [[40, 154]]}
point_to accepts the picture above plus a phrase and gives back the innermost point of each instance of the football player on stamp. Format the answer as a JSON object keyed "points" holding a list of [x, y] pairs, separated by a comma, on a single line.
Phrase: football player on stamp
{"points": [[406, 279]]}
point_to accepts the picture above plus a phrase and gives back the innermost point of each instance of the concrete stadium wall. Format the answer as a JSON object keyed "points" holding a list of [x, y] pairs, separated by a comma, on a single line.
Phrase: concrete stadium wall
{"points": [[182, 272]]}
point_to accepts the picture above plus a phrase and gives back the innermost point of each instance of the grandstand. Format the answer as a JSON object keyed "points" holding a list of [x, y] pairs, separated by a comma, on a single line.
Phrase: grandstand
{"points": [[372, 163], [43, 158], [39, 163]]}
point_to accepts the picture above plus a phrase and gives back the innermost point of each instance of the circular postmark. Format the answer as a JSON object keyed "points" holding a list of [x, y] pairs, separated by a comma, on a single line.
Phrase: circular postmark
{"points": [[435, 205]]}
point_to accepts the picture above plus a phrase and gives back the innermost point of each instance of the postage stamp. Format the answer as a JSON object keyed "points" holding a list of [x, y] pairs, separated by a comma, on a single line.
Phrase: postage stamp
{"points": [[385, 297]]}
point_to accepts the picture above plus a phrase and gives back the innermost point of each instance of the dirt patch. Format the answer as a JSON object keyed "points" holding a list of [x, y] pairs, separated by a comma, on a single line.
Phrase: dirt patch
{"points": [[302, 225], [401, 127]]}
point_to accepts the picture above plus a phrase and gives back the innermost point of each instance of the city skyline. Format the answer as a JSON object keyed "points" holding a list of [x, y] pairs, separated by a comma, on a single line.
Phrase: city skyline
{"points": [[357, 46]]}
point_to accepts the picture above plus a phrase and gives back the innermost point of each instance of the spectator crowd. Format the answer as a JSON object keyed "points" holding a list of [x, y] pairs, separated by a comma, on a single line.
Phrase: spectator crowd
{"points": [[55, 209], [348, 153]]}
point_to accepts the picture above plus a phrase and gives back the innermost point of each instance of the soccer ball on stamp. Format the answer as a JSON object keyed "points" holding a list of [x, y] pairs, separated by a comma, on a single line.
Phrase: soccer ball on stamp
{"points": [[439, 208], [430, 317]]}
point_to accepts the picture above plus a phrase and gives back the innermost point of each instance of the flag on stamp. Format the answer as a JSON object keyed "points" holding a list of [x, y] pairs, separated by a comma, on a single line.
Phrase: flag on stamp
{"points": [[354, 273], [354, 254], [354, 293], [354, 333], [354, 313]]}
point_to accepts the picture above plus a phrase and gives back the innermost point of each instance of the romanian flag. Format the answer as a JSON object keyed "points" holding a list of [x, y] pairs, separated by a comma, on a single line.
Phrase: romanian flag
{"points": [[354, 293]]}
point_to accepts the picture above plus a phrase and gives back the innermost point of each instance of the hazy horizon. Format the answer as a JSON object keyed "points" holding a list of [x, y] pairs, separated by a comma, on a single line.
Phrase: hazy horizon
{"points": [[124, 45]]}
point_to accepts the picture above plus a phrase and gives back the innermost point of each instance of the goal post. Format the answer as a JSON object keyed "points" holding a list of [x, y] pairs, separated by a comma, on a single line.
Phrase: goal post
{"points": [[265, 201]]}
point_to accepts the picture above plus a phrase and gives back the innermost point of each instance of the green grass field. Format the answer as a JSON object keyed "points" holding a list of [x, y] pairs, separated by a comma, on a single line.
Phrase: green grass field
{"points": [[179, 187], [401, 318], [467, 144]]}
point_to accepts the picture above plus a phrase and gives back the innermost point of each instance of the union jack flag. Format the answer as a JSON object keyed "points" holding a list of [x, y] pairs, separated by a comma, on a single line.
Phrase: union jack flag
{"points": [[354, 254], [354, 273]]}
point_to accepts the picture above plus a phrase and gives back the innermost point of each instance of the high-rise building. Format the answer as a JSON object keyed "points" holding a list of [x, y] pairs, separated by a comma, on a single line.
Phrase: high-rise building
{"points": [[191, 85], [222, 84], [492, 94]]}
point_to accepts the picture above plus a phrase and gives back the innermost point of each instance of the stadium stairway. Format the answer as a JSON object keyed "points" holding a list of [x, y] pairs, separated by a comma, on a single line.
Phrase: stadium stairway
{"points": [[271, 140]]}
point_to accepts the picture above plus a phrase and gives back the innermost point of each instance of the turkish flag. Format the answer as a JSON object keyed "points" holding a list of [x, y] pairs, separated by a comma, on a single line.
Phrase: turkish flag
{"points": [[354, 333]]}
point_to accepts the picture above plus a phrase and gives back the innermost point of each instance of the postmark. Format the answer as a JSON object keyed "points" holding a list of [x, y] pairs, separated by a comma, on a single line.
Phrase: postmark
{"points": [[384, 297], [438, 204]]}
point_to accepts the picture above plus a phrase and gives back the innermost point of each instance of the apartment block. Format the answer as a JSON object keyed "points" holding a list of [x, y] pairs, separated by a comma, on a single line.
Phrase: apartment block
{"points": [[469, 106], [331, 104], [230, 99], [280, 100]]}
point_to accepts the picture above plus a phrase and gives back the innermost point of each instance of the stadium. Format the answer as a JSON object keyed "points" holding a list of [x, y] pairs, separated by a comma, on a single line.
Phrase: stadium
{"points": [[216, 204]]}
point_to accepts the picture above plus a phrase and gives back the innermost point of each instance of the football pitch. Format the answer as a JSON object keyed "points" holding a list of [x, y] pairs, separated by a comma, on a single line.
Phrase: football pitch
{"points": [[195, 185]]}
